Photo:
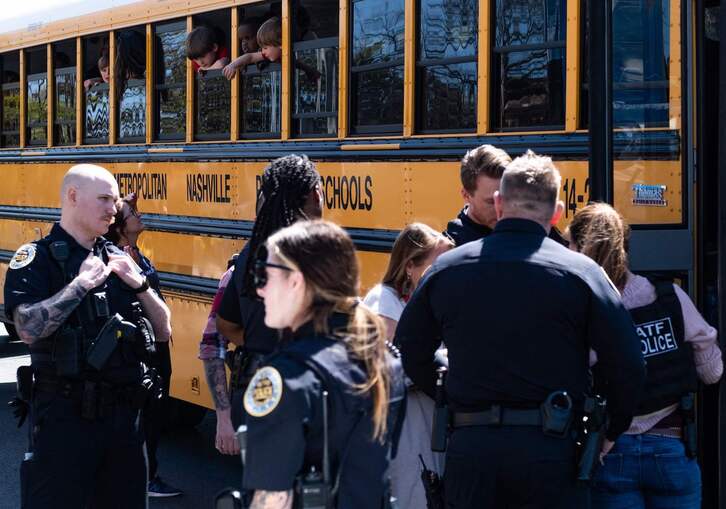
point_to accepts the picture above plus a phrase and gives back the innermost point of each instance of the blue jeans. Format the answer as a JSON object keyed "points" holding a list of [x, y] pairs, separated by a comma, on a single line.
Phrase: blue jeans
{"points": [[647, 471]]}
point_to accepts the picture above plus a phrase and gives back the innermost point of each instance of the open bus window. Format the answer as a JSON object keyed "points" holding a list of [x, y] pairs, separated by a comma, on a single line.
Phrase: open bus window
{"points": [[447, 65], [641, 61], [64, 70], [213, 90], [528, 65], [260, 84], [171, 81], [377, 66], [10, 134], [130, 76], [315, 68], [95, 83], [37, 100]]}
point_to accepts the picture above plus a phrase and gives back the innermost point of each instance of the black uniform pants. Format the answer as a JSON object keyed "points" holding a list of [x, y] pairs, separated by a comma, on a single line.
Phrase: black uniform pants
{"points": [[82, 464], [156, 413], [510, 467]]}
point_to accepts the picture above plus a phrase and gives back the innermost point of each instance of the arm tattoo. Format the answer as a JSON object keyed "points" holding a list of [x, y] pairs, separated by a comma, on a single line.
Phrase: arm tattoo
{"points": [[217, 381], [40, 320], [272, 500]]}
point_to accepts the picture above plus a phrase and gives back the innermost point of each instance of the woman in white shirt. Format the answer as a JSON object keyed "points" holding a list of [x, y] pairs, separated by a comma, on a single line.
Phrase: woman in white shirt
{"points": [[415, 249]]}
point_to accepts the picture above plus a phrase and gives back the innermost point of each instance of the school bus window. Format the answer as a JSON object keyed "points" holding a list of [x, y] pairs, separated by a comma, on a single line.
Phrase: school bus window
{"points": [[10, 135], [37, 98], [130, 75], [260, 79], [170, 83], [377, 66], [95, 84], [210, 40], [64, 70], [315, 68], [446, 67], [641, 60], [528, 64]]}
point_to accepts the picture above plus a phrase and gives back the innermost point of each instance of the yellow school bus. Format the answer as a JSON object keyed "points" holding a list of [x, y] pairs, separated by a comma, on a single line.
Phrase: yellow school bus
{"points": [[402, 89]]}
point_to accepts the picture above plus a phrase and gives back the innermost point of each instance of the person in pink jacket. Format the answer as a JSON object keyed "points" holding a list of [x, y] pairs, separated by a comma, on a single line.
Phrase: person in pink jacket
{"points": [[649, 466]]}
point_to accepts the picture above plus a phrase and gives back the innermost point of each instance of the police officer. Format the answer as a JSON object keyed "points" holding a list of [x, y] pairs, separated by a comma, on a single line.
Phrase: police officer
{"points": [[290, 191], [321, 412], [84, 309], [681, 349], [518, 313]]}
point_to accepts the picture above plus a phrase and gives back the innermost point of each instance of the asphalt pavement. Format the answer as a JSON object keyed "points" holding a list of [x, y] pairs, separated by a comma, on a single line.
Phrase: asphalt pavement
{"points": [[187, 457]]}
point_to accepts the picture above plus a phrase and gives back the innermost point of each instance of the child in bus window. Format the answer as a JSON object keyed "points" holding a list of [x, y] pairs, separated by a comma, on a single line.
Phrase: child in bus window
{"points": [[247, 35], [205, 49], [103, 69]]}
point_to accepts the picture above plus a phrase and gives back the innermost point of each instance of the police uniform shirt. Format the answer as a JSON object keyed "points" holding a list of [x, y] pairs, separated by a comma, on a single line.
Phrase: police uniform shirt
{"points": [[34, 276], [284, 406], [519, 313], [248, 312]]}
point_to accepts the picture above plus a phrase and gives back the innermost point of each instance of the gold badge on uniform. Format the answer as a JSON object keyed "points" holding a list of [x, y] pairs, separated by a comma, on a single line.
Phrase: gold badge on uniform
{"points": [[23, 256], [264, 392]]}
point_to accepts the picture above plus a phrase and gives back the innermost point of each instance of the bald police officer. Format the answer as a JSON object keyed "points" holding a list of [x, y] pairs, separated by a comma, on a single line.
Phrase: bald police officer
{"points": [[85, 310], [519, 313]]}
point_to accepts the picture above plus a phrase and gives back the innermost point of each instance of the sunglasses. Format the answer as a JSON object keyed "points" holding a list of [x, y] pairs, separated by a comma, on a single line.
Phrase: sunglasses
{"points": [[259, 274]]}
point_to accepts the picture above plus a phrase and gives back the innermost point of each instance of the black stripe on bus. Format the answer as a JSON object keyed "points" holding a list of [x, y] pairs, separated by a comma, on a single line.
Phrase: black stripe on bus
{"points": [[365, 239], [628, 145]]}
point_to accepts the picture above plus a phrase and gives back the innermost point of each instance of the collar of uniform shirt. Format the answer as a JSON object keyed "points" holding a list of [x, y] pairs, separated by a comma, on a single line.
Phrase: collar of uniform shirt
{"points": [[515, 224]]}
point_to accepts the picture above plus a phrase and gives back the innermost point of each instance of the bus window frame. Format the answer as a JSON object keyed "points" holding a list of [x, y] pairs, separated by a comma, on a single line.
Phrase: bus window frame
{"points": [[160, 28], [64, 71], [495, 79], [313, 44], [253, 70], [353, 128]]}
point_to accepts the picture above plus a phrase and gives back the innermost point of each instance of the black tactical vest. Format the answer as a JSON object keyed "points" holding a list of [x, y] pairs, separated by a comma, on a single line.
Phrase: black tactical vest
{"points": [[64, 353], [350, 422], [671, 371]]}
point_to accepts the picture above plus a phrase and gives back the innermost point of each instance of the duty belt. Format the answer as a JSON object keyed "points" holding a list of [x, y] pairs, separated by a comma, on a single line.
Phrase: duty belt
{"points": [[498, 416]]}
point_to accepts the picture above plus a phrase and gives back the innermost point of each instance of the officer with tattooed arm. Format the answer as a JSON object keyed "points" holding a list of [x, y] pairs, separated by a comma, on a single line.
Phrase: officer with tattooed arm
{"points": [[89, 319]]}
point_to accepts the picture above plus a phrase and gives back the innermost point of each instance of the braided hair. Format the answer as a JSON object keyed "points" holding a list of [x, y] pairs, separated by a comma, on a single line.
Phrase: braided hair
{"points": [[286, 184]]}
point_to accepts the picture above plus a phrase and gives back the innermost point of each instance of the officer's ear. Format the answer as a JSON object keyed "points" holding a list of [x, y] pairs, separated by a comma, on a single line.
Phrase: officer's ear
{"points": [[465, 194], [498, 204], [72, 195], [559, 210]]}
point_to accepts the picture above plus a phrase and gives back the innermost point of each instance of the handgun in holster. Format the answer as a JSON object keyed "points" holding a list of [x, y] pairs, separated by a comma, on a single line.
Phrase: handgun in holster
{"points": [[591, 437], [103, 345], [234, 362], [440, 425], [687, 408], [24, 394]]}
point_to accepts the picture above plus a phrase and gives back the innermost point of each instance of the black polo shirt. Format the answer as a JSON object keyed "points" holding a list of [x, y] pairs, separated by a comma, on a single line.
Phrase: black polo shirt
{"points": [[246, 311], [519, 313], [462, 229]]}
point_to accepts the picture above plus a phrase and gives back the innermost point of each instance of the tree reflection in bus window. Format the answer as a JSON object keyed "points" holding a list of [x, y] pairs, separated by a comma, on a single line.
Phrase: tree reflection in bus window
{"points": [[447, 69], [377, 65], [171, 81], [315, 68], [528, 65], [213, 105], [37, 96], [65, 106], [10, 100], [261, 101], [130, 72]]}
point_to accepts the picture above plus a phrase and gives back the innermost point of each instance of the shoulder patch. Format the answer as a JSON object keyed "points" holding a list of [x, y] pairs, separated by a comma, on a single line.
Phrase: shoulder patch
{"points": [[264, 392], [23, 257]]}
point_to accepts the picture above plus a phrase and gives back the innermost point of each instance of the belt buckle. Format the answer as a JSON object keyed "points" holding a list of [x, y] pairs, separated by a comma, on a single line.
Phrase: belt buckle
{"points": [[495, 415]]}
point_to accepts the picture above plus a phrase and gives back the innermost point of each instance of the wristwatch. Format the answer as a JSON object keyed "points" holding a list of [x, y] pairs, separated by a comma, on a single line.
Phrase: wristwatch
{"points": [[144, 286]]}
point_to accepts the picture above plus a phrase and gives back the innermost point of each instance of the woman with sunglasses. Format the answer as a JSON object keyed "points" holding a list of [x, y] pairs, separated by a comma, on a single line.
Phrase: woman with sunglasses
{"points": [[124, 232], [415, 249], [333, 375]]}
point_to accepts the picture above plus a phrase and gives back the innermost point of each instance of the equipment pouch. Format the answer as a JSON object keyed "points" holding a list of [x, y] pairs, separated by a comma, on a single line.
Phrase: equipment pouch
{"points": [[68, 352], [145, 345], [103, 346], [556, 414]]}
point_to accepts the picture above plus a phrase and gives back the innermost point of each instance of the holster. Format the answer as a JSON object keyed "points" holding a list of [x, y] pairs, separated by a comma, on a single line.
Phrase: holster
{"points": [[243, 365], [687, 408]]}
